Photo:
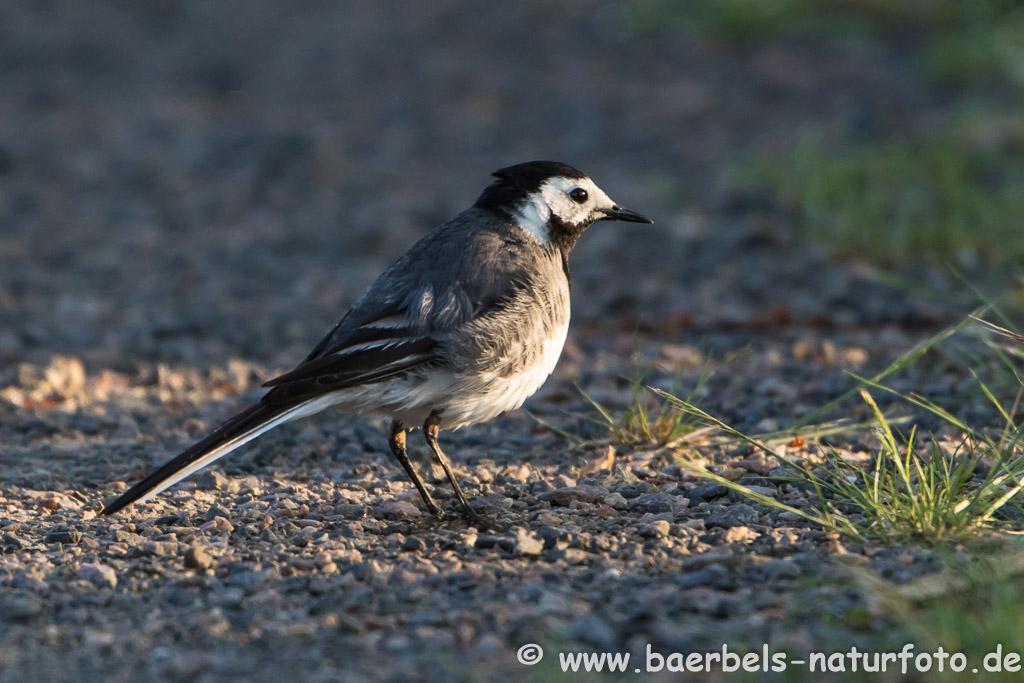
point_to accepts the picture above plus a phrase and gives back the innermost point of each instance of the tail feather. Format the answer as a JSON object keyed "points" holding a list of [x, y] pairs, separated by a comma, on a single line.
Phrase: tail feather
{"points": [[239, 430]]}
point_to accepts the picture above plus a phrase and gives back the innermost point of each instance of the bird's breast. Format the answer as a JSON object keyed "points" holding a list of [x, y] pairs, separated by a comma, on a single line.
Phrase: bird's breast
{"points": [[509, 356]]}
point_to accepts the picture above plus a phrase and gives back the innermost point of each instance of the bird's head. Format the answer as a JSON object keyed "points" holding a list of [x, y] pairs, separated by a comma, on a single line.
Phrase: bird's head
{"points": [[553, 202]]}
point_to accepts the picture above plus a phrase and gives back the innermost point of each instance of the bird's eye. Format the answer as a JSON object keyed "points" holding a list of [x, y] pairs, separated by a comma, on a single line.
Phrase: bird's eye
{"points": [[578, 195]]}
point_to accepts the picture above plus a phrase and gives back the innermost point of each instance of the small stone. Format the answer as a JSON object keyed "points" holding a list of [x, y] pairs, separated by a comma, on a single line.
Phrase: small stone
{"points": [[739, 533], [616, 500], [196, 557], [658, 502], [518, 473], [153, 549], [592, 631], [302, 564], [541, 486], [635, 489], [706, 492], [605, 461], [66, 537], [414, 544], [565, 496], [65, 375], [20, 606], [569, 556], [350, 556], [99, 575], [122, 536], [85, 423], [15, 542], [212, 480], [350, 511], [739, 514], [487, 541], [781, 569], [659, 528], [527, 544], [563, 482], [758, 463], [216, 511], [763, 490], [217, 524], [715, 575], [720, 554], [400, 509]]}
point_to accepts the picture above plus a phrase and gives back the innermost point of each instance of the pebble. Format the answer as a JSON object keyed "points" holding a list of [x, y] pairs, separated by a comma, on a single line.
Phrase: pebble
{"points": [[593, 632], [737, 514], [719, 554], [635, 489], [20, 606], [563, 482], [66, 537], [197, 557], [657, 502], [526, 544], [715, 575], [128, 537], [212, 480], [705, 492], [758, 462], [400, 509], [739, 534], [65, 375], [414, 544], [218, 523], [616, 500], [99, 575], [582, 493], [656, 529]]}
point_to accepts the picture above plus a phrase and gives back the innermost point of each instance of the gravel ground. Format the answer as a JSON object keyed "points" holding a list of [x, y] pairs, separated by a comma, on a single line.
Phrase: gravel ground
{"points": [[189, 198]]}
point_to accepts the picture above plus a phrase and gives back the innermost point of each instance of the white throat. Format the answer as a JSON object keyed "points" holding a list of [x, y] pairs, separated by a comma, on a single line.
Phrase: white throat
{"points": [[533, 216]]}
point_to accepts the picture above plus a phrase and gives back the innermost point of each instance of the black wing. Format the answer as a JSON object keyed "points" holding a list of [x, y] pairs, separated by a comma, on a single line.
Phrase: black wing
{"points": [[449, 278]]}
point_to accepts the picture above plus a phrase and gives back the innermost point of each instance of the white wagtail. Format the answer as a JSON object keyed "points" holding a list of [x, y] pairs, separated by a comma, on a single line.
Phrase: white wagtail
{"points": [[465, 325]]}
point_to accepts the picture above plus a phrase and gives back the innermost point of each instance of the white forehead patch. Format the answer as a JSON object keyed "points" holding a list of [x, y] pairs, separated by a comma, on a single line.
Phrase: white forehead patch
{"points": [[553, 199]]}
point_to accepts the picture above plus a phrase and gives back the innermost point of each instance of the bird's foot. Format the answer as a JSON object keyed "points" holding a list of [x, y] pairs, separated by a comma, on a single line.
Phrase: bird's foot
{"points": [[480, 521]]}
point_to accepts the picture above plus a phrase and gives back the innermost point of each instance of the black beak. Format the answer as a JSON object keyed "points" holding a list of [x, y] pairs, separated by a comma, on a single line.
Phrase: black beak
{"points": [[617, 213]]}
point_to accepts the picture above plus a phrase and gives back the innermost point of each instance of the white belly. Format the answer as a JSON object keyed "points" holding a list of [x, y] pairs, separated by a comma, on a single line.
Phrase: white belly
{"points": [[482, 397], [486, 367]]}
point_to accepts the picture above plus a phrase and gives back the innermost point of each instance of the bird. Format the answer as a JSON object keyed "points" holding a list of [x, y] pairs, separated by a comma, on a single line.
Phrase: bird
{"points": [[465, 325]]}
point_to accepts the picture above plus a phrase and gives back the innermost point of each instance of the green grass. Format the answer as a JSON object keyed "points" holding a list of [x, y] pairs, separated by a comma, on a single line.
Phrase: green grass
{"points": [[907, 493], [963, 41], [954, 195], [971, 608], [914, 489], [647, 421], [733, 21], [951, 197]]}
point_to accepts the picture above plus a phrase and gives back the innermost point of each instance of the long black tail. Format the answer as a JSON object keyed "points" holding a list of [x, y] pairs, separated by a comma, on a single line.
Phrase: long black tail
{"points": [[240, 429]]}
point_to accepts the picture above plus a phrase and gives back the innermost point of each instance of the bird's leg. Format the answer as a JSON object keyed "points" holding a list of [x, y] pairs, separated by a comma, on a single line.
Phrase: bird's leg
{"points": [[430, 430], [396, 440]]}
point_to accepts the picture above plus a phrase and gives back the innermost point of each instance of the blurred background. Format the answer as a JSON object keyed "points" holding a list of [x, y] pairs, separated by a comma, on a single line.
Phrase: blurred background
{"points": [[191, 195], [189, 182]]}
